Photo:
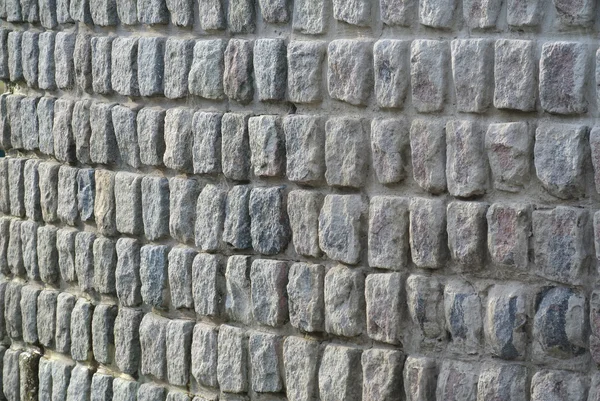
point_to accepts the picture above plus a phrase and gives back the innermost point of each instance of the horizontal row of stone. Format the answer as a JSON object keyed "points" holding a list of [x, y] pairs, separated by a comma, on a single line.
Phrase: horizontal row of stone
{"points": [[238, 69], [309, 16]]}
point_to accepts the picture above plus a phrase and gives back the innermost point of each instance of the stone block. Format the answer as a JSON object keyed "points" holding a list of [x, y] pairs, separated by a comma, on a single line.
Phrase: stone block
{"points": [[14, 118], [128, 203], [82, 130], [303, 211], [30, 54], [104, 12], [300, 367], [392, 72], [466, 167], [103, 142], [84, 260], [340, 373], [424, 296], [4, 239], [270, 68], [207, 285], [528, 14], [82, 62], [29, 249], [4, 73], [182, 12], [389, 143], [241, 16], [562, 62], [29, 122], [28, 306], [46, 317], [45, 116], [63, 374], [232, 360], [105, 264], [179, 342], [67, 209], [48, 254], [28, 375], [428, 61], [509, 229], [384, 295], [15, 65], [182, 206], [238, 81], [235, 148], [125, 390], [48, 180], [62, 131], [463, 312], [354, 12], [339, 227], [178, 136], [16, 185], [10, 374], [274, 11], [421, 373], [438, 14], [310, 17], [64, 48], [103, 324], [382, 374], [457, 381], [65, 303], [127, 273], [562, 243], [14, 252], [558, 384], [102, 387], [508, 313], [81, 330], [65, 245], [150, 63], [124, 66], [155, 207], [346, 151], [210, 217], [44, 379], [238, 303], [124, 124], [570, 15], [153, 12], [515, 74], [265, 362], [4, 188], [211, 15], [151, 392], [127, 340], [472, 70], [204, 354], [86, 193], [31, 195], [178, 61], [467, 229], [305, 290], [304, 70], [344, 290], [481, 14], [206, 151], [101, 64], [127, 11], [503, 380], [150, 134], [153, 336], [268, 280], [428, 232], [236, 229], [388, 232], [180, 277], [267, 145], [46, 63], [350, 70], [305, 148], [207, 69], [269, 227], [80, 11], [153, 274], [509, 147]]}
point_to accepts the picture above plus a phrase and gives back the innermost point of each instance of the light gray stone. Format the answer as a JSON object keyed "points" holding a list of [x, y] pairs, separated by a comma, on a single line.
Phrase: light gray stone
{"points": [[151, 392], [509, 228], [472, 71], [178, 136], [28, 305], [48, 254], [153, 274], [104, 12], [481, 14], [232, 351], [46, 64], [525, 14], [388, 232], [240, 16], [270, 68], [127, 273], [14, 252], [153, 12], [65, 303], [397, 12], [64, 141], [344, 301], [339, 227], [425, 304], [384, 295], [238, 303], [457, 381], [103, 143], [15, 66], [124, 66], [211, 15], [46, 317], [31, 195], [267, 147], [268, 280], [81, 330], [67, 210], [350, 70], [182, 206], [128, 203], [238, 81], [104, 203], [210, 217], [150, 62], [101, 64], [30, 54], [150, 134], [464, 320], [127, 11], [389, 147], [178, 60], [206, 151], [179, 342], [392, 72], [303, 211], [65, 245], [466, 167], [515, 74], [103, 322], [182, 12], [63, 374], [180, 277], [82, 61], [509, 147], [305, 148], [10, 375], [64, 48], [300, 366], [84, 260], [382, 374], [269, 224], [124, 123], [125, 390], [127, 340], [428, 61], [102, 387], [105, 263], [155, 207], [428, 232], [235, 147], [29, 249], [153, 332], [438, 14], [207, 69], [467, 229], [274, 11], [340, 374], [86, 193], [82, 130], [204, 354], [264, 350], [346, 151], [421, 372], [208, 285], [304, 70], [16, 185], [305, 290]]}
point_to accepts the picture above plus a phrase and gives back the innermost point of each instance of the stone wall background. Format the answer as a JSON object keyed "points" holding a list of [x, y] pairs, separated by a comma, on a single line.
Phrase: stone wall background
{"points": [[336, 200]]}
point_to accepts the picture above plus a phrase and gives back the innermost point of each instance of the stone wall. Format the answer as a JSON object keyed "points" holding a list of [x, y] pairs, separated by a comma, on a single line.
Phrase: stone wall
{"points": [[324, 200]]}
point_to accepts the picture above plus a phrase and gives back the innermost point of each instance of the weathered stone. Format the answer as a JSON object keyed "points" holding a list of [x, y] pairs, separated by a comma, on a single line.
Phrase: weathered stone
{"points": [[179, 342], [481, 14], [102, 387], [339, 227], [388, 232], [153, 274], [266, 145], [268, 288], [427, 232], [384, 294], [207, 285], [238, 82], [304, 66], [84, 263], [104, 12], [155, 207], [562, 62], [392, 72], [354, 12], [127, 340], [153, 12], [45, 116], [103, 323], [515, 74], [207, 69], [101, 64], [178, 60], [389, 142], [421, 374], [15, 66], [180, 277], [466, 168], [151, 392], [571, 14], [382, 374], [31, 195], [127, 273], [16, 185], [103, 143], [127, 11], [10, 375], [264, 350], [14, 252], [153, 332], [105, 264], [44, 378], [344, 301], [428, 59], [124, 66], [29, 122], [235, 149], [425, 305], [232, 359], [557, 384], [30, 54], [82, 61], [128, 203], [86, 193], [509, 229], [48, 254], [4, 188], [124, 123], [150, 62], [64, 142], [82, 130], [210, 217], [28, 305], [437, 14], [241, 16], [125, 390], [310, 17], [303, 211], [500, 380], [238, 303], [467, 228], [525, 13], [270, 68], [67, 210], [182, 207], [457, 381], [29, 249], [46, 317], [346, 151], [150, 134], [212, 15], [65, 245], [46, 64], [204, 354], [178, 136], [340, 374], [350, 70], [269, 226], [472, 70], [65, 303], [464, 320], [81, 330], [182, 12], [206, 151], [305, 148], [63, 60]]}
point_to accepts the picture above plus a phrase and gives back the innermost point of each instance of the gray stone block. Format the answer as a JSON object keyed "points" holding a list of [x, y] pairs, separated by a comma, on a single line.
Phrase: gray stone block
{"points": [[438, 14], [509, 147], [207, 69], [388, 232], [29, 122], [178, 396], [29, 249], [65, 246], [48, 180], [14, 251], [124, 123], [46, 317], [178, 61], [80, 11], [47, 254], [464, 316], [270, 68], [46, 64], [81, 330], [238, 81], [102, 387], [84, 260], [10, 375], [457, 381], [153, 332], [509, 227], [208, 285], [152, 12], [179, 343], [466, 167], [103, 142], [105, 263], [339, 227], [305, 291], [4, 74], [150, 134], [304, 66], [64, 47], [28, 375], [385, 308], [4, 188], [101, 64], [267, 145], [389, 148], [62, 373], [86, 192], [481, 14], [128, 203], [238, 304], [274, 11], [127, 273], [28, 305], [428, 61], [182, 206], [425, 304], [382, 374], [127, 340], [515, 74], [495, 379], [180, 277], [350, 70], [124, 66], [310, 16], [30, 54], [265, 350], [422, 373], [64, 141], [67, 209], [397, 12], [178, 136], [31, 196], [104, 204], [45, 116], [103, 322], [232, 351], [65, 303], [125, 390], [303, 211], [564, 62], [428, 232], [240, 16], [182, 12], [346, 151], [204, 354], [467, 229], [235, 149], [153, 274], [300, 366], [15, 66], [525, 15], [13, 107], [354, 12], [210, 217], [236, 229], [44, 379], [127, 11], [206, 151], [340, 373], [269, 225], [392, 72], [268, 288], [104, 12], [155, 207], [4, 239], [211, 15], [344, 302], [150, 64], [151, 392], [48, 13], [472, 71]]}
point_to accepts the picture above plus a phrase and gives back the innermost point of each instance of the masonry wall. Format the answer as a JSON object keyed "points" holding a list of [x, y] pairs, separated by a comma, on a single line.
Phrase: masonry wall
{"points": [[324, 200]]}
